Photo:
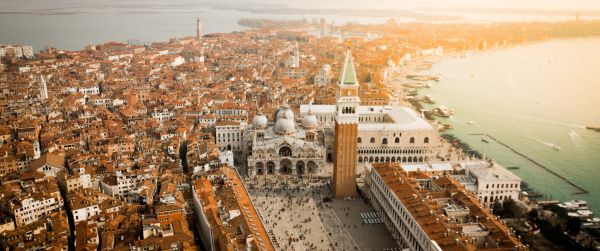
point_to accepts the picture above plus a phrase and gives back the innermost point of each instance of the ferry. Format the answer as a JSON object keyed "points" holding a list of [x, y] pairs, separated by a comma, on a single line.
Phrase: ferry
{"points": [[594, 128], [484, 140]]}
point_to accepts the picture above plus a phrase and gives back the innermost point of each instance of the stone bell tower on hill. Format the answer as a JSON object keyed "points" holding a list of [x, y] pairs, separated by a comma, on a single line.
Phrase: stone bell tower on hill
{"points": [[346, 131]]}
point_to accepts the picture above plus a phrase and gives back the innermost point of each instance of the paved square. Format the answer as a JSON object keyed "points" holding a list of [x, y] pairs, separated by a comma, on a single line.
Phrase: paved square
{"points": [[298, 216]]}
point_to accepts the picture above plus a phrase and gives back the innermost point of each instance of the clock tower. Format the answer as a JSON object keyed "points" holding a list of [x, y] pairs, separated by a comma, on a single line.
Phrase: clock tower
{"points": [[346, 131]]}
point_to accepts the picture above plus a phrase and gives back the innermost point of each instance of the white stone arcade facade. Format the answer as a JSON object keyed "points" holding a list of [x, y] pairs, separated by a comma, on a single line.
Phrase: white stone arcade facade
{"points": [[295, 158]]}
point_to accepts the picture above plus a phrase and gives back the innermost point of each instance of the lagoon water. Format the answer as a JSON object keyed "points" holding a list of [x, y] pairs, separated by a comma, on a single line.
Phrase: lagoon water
{"points": [[530, 97], [70, 25]]}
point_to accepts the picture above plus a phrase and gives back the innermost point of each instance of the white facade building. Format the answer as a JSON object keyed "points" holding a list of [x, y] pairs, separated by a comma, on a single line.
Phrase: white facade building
{"points": [[490, 182], [229, 135], [16, 51], [32, 208], [163, 115], [89, 90], [323, 76], [121, 184], [83, 212], [389, 134]]}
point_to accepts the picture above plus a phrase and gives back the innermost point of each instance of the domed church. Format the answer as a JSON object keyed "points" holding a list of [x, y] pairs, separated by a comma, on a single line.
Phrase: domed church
{"points": [[284, 146]]}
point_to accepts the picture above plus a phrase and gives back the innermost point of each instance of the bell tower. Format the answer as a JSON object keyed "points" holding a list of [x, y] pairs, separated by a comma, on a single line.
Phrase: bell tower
{"points": [[43, 88], [346, 131], [198, 29]]}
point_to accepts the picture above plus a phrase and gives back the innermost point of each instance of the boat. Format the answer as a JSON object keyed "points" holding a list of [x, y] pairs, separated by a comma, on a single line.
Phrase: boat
{"points": [[535, 195], [554, 146], [428, 99], [485, 140], [418, 85], [420, 77], [594, 128], [442, 111], [470, 123], [512, 167]]}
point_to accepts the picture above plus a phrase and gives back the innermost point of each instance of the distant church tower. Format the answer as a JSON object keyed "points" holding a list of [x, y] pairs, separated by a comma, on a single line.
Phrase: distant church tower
{"points": [[43, 89], [198, 29], [296, 63], [346, 131]]}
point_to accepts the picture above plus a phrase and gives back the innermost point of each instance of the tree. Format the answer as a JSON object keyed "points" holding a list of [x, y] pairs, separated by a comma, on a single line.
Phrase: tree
{"points": [[513, 209], [533, 214], [497, 208]]}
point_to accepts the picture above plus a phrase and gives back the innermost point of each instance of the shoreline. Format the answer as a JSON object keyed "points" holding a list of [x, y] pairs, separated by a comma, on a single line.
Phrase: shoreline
{"points": [[456, 54], [577, 186]]}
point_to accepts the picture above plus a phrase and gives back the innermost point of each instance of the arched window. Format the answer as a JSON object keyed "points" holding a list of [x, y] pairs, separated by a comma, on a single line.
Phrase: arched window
{"points": [[412, 140], [372, 140], [359, 140], [384, 141], [426, 140], [397, 140], [285, 151]]}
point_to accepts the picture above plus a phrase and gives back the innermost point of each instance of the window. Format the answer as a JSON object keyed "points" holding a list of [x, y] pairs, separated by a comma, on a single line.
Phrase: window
{"points": [[285, 151], [372, 140], [426, 140], [359, 140], [384, 141], [397, 140], [412, 140]]}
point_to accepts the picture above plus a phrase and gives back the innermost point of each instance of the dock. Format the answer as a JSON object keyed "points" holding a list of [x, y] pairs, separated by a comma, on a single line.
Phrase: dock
{"points": [[581, 190]]}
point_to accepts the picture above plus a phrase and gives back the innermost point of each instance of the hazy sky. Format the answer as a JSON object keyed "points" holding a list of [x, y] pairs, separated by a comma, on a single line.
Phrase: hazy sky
{"points": [[521, 4], [23, 5]]}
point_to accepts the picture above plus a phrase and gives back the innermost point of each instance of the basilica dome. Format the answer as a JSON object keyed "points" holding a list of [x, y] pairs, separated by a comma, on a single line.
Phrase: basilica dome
{"points": [[260, 120], [309, 121], [284, 110], [285, 125]]}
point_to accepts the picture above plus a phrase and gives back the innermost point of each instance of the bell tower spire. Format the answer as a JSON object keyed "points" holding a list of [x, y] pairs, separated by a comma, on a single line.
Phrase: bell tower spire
{"points": [[346, 131]]}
